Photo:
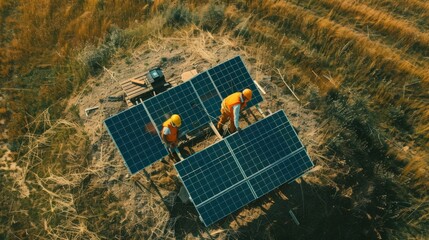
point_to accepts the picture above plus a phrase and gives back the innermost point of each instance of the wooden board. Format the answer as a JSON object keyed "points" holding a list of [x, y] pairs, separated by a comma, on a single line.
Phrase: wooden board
{"points": [[188, 75], [135, 86]]}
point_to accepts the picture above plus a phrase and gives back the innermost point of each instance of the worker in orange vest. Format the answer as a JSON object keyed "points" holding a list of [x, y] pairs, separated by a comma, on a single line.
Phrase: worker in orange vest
{"points": [[170, 131], [231, 107]]}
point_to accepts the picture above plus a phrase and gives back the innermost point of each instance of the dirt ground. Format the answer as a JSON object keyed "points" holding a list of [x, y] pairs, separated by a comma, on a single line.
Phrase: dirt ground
{"points": [[267, 217]]}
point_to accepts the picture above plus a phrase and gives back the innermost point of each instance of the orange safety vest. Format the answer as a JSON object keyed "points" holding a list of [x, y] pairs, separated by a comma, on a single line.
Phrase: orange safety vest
{"points": [[172, 137], [232, 100]]}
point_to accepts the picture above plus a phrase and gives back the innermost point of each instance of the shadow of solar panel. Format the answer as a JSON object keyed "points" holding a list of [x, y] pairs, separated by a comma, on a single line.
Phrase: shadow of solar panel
{"points": [[136, 138], [232, 76], [208, 94], [181, 100], [252, 163]]}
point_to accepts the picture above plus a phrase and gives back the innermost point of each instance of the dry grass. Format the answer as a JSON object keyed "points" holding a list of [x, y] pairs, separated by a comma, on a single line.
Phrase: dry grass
{"points": [[405, 34], [416, 217], [301, 61], [67, 205], [355, 51], [47, 31], [417, 170], [338, 36], [407, 8]]}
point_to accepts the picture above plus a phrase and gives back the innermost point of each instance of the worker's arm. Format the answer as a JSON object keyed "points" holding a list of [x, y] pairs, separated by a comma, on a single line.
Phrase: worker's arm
{"points": [[165, 132], [236, 112]]}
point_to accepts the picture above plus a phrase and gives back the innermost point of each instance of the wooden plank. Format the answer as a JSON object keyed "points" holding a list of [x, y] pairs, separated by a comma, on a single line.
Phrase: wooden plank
{"points": [[142, 78], [126, 87], [139, 78], [133, 89], [135, 86], [136, 81], [136, 93], [129, 85]]}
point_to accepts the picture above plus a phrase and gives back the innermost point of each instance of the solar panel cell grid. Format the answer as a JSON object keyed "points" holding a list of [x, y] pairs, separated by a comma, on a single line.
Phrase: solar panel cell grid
{"points": [[285, 170], [226, 203], [136, 138], [232, 76], [263, 145], [207, 93], [181, 100], [212, 172]]}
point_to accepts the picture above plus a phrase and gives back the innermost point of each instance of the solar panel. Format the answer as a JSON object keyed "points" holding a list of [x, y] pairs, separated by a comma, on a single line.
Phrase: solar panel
{"points": [[182, 100], [196, 101], [208, 93], [285, 170], [227, 202], [276, 137], [243, 167], [136, 138], [210, 172], [232, 76]]}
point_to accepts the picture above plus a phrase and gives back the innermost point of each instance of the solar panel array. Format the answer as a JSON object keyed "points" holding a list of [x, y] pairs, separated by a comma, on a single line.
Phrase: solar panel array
{"points": [[243, 167], [197, 102]]}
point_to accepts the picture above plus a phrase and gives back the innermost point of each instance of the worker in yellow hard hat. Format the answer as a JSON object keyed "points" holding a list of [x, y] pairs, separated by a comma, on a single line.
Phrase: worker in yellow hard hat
{"points": [[231, 107], [170, 131]]}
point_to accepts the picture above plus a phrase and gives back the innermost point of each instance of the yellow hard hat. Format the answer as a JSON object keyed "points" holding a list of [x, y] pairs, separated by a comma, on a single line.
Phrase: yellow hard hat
{"points": [[176, 120], [247, 93]]}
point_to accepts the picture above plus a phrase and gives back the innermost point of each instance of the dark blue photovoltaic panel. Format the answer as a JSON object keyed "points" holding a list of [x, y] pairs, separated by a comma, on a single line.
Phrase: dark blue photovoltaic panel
{"points": [[196, 101], [208, 94], [232, 76], [226, 203], [181, 100], [264, 143], [261, 157], [286, 170], [209, 172], [136, 138]]}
